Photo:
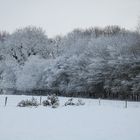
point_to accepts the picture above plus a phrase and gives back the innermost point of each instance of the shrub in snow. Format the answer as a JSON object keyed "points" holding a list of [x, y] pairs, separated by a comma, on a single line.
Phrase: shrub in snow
{"points": [[70, 102], [24, 103], [52, 100], [80, 102], [55, 105], [46, 103]]}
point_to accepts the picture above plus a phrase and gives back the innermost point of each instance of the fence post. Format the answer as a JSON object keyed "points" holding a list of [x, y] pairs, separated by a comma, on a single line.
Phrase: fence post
{"points": [[99, 101], [40, 100], [125, 103], [6, 100]]}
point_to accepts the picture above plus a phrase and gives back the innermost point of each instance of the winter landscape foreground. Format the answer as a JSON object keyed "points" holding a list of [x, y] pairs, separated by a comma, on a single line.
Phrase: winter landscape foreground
{"points": [[108, 121]]}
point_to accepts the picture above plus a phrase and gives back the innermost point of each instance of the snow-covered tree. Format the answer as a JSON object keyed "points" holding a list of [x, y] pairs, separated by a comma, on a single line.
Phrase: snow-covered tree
{"points": [[94, 62], [30, 73], [8, 72], [26, 42], [138, 26]]}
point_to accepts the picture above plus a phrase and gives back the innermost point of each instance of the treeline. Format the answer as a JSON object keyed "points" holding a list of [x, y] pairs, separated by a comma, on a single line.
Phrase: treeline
{"points": [[94, 62]]}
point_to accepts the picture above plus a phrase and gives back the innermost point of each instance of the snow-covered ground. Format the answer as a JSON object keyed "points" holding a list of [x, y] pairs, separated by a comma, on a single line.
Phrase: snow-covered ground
{"points": [[108, 121]]}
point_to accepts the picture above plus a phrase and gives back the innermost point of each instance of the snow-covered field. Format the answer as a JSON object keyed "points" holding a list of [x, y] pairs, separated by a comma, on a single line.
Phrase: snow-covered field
{"points": [[108, 121]]}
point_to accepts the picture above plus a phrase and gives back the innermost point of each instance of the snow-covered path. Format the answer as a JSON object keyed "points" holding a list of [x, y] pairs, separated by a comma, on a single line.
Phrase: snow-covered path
{"points": [[109, 121]]}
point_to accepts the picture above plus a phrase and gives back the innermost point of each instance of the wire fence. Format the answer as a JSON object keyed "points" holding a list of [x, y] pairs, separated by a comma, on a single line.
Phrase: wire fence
{"points": [[13, 100]]}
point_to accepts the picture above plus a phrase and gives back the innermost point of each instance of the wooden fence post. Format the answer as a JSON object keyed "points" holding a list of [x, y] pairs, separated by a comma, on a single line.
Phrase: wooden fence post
{"points": [[6, 100], [99, 101], [40, 100], [125, 103]]}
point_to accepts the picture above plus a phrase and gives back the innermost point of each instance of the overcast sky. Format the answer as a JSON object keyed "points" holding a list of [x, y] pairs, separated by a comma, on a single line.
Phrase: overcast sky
{"points": [[62, 16]]}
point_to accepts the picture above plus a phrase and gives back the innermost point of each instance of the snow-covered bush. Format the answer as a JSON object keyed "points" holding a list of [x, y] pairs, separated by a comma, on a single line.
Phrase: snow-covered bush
{"points": [[80, 102], [46, 103], [52, 100], [71, 102], [25, 103]]}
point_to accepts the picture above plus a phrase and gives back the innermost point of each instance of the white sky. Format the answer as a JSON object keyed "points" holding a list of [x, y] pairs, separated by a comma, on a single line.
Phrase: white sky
{"points": [[62, 16]]}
